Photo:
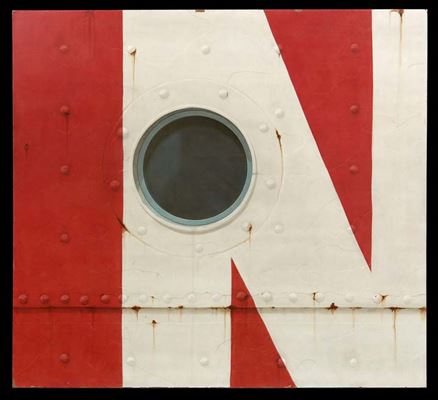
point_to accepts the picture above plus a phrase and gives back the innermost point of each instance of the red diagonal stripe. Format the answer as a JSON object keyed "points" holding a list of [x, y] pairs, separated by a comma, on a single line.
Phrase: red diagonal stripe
{"points": [[255, 361], [328, 55]]}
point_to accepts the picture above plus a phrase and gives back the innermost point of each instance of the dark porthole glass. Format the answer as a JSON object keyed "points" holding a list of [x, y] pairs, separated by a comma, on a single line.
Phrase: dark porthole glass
{"points": [[193, 167]]}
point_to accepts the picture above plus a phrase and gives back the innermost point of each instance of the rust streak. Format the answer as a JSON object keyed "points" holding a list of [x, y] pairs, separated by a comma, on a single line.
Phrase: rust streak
{"points": [[384, 296], [333, 307], [136, 309], [26, 149], [153, 323], [281, 153], [394, 328], [423, 313]]}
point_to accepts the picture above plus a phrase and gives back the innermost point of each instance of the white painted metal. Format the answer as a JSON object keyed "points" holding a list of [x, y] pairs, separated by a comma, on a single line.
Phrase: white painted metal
{"points": [[300, 243]]}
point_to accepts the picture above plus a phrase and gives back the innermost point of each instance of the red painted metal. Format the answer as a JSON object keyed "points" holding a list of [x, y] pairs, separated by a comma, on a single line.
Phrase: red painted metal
{"points": [[67, 68], [328, 55], [255, 361]]}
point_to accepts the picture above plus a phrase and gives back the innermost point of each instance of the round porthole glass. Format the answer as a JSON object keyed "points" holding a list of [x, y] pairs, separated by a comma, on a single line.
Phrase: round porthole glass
{"points": [[193, 167]]}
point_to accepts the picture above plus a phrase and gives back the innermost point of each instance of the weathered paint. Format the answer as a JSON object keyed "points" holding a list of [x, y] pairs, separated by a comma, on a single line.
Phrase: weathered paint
{"points": [[318, 304]]}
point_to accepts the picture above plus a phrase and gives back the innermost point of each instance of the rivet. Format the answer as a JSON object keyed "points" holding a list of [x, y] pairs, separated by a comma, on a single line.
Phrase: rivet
{"points": [[278, 228], [122, 132], [65, 110], [164, 93], [167, 299], [132, 50], [245, 226], [354, 169], [293, 297], [105, 298], [141, 230], [270, 183], [263, 128], [281, 362], [223, 93], [204, 361], [319, 297], [353, 362], [22, 298], [216, 297], [123, 298], [64, 170], [130, 361], [44, 299], [352, 228], [64, 358], [354, 109], [64, 238], [191, 297], [354, 47], [377, 298], [63, 48], [143, 298], [241, 296], [279, 113], [64, 299], [407, 299], [199, 248], [349, 297], [84, 300], [205, 49], [267, 297], [114, 185]]}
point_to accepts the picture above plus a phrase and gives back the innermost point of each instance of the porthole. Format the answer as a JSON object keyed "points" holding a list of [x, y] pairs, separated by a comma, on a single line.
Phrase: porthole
{"points": [[193, 167]]}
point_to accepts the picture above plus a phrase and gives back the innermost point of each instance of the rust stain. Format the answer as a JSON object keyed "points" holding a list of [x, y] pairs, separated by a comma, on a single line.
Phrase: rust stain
{"points": [[423, 313], [153, 323], [136, 309], [180, 308], [199, 10], [124, 228], [400, 12], [333, 307], [384, 296], [133, 54], [281, 153], [313, 297], [394, 328]]}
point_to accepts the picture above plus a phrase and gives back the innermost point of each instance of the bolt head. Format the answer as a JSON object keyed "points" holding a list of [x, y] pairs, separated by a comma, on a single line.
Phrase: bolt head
{"points": [[132, 50], [122, 132], [63, 48], [191, 297], [64, 238], [122, 298], [278, 228], [204, 361], [64, 358], [143, 299], [241, 296], [114, 185], [353, 362], [354, 169], [64, 110], [141, 230], [377, 298], [354, 109], [279, 113], [105, 298], [270, 183], [199, 248], [245, 226], [64, 299], [354, 47], [44, 299], [216, 297], [23, 299], [263, 127], [64, 169], [280, 362], [164, 93], [130, 361], [205, 49], [223, 93], [349, 297], [84, 300], [407, 299], [293, 297], [319, 297], [267, 297]]}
